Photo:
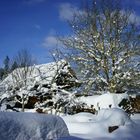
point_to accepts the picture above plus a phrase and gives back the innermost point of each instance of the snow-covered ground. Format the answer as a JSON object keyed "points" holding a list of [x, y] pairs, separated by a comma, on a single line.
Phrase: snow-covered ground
{"points": [[31, 126], [95, 127], [81, 126], [89, 126]]}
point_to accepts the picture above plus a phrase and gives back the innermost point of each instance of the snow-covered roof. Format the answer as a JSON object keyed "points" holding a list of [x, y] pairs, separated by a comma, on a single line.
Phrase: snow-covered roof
{"points": [[37, 73]]}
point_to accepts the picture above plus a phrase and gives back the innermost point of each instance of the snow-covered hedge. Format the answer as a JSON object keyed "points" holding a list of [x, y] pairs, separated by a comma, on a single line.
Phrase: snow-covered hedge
{"points": [[29, 126]]}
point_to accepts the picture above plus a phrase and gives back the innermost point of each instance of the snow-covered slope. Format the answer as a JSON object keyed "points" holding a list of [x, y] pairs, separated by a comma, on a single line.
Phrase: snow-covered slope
{"points": [[31, 126]]}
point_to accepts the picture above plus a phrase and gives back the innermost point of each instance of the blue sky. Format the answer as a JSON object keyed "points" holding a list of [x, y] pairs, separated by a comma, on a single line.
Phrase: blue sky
{"points": [[32, 24]]}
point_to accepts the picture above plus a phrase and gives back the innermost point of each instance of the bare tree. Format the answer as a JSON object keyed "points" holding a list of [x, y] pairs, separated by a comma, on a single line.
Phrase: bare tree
{"points": [[25, 65], [107, 46], [22, 74]]}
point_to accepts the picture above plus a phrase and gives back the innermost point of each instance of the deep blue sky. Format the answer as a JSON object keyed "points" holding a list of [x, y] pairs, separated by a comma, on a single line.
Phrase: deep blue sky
{"points": [[32, 24]]}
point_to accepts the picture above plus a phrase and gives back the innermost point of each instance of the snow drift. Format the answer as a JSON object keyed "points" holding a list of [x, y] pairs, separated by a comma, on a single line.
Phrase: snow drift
{"points": [[29, 126], [89, 126], [113, 117]]}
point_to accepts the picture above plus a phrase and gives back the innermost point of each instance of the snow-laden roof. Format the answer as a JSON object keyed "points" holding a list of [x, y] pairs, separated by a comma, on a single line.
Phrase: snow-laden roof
{"points": [[31, 126], [37, 73]]}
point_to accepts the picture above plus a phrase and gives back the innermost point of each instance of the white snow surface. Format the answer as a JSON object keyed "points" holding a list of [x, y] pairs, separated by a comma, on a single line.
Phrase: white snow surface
{"points": [[31, 126], [81, 126], [104, 100], [95, 127]]}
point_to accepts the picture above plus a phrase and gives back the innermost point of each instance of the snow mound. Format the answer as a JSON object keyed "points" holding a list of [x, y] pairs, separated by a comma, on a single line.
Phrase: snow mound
{"points": [[79, 117], [83, 117], [89, 126], [29, 126], [113, 117], [104, 101]]}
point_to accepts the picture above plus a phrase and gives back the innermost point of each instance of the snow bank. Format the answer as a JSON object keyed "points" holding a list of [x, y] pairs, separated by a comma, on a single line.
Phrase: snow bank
{"points": [[31, 126], [113, 117], [89, 126], [104, 101]]}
